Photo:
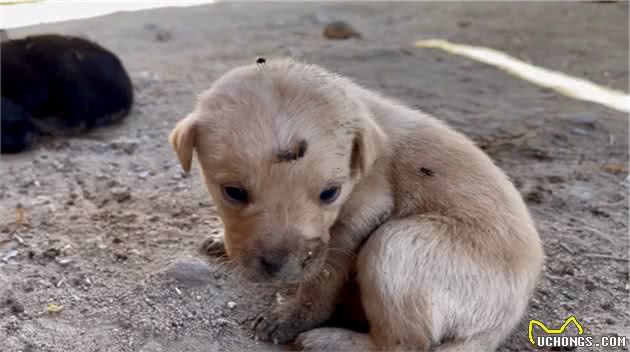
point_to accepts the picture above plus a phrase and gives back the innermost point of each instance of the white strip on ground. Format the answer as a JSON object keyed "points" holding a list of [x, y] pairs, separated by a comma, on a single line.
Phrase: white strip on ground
{"points": [[571, 86], [18, 14]]}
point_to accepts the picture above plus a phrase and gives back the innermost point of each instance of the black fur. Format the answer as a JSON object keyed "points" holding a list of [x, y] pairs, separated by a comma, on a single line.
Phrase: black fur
{"points": [[66, 84], [18, 131]]}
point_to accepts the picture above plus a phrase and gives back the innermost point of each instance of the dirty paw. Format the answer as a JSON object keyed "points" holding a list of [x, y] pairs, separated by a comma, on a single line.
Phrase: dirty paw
{"points": [[213, 246], [284, 323]]}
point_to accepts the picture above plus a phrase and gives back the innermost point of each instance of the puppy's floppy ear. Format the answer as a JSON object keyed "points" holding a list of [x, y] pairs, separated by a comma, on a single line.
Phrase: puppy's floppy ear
{"points": [[367, 146], [182, 139]]}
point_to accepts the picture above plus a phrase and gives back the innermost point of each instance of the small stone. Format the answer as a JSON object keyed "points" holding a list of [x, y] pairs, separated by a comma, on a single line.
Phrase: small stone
{"points": [[579, 131], [584, 120], [221, 322], [340, 30], [163, 35], [189, 271], [120, 256], [144, 174], [614, 168], [28, 287], [64, 261], [121, 194], [10, 254], [15, 306], [51, 253], [231, 305], [128, 146], [128, 217], [280, 298]]}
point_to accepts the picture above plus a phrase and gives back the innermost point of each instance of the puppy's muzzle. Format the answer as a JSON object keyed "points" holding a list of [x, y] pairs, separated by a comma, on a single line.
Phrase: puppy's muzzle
{"points": [[281, 265], [272, 264]]}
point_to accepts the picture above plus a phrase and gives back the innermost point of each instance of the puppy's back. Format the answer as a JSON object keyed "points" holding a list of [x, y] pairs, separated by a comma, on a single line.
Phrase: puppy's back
{"points": [[72, 79], [437, 170]]}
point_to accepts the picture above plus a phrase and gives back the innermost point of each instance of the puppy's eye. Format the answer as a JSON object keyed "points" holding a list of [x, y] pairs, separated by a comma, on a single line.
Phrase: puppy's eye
{"points": [[236, 194], [329, 195]]}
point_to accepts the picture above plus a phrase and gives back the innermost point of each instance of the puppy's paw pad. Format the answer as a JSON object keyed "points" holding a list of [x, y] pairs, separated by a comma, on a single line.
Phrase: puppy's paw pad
{"points": [[213, 246]]}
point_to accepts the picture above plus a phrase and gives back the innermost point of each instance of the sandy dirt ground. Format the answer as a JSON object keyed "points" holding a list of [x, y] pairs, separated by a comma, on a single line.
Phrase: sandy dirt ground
{"points": [[109, 260]]}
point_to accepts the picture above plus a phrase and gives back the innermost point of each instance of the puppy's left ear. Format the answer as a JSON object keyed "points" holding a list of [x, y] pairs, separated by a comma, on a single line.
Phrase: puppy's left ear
{"points": [[368, 145], [182, 139]]}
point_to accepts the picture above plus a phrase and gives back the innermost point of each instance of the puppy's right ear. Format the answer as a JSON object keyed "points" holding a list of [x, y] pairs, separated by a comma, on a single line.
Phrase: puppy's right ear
{"points": [[368, 145], [182, 139]]}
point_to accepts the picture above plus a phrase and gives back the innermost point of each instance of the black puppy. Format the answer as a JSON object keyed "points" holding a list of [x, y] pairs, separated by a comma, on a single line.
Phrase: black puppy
{"points": [[66, 84]]}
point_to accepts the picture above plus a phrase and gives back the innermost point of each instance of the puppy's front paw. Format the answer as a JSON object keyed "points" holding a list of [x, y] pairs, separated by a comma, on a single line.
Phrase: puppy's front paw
{"points": [[284, 323], [213, 246]]}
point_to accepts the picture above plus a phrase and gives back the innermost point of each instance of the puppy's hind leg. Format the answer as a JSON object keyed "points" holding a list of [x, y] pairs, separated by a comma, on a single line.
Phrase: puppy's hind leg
{"points": [[428, 283]]}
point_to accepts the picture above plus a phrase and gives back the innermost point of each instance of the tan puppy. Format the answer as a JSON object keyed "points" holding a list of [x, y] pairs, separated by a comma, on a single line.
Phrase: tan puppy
{"points": [[316, 178]]}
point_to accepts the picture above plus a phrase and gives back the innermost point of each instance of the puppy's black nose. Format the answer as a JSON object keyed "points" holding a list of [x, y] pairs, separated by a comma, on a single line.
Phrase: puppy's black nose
{"points": [[272, 264]]}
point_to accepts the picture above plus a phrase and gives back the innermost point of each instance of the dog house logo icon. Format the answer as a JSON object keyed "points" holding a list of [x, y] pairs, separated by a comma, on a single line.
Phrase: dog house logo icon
{"points": [[570, 320]]}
